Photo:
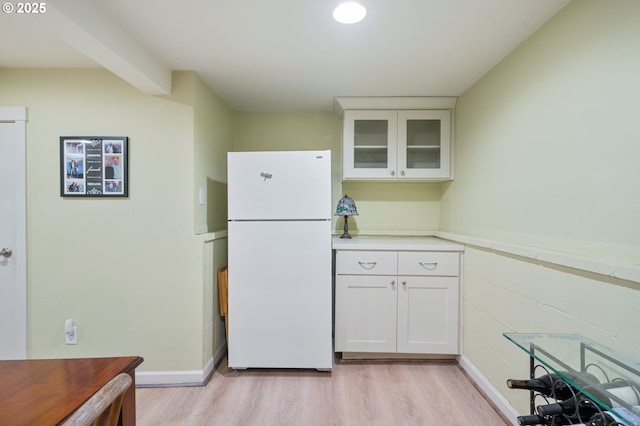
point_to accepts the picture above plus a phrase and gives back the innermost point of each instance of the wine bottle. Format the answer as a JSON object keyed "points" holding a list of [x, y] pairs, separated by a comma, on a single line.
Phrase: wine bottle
{"points": [[614, 394], [532, 420], [553, 385], [604, 419], [578, 408]]}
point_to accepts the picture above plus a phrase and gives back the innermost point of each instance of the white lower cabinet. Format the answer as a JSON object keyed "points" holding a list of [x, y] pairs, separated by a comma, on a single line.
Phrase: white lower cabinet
{"points": [[366, 312], [427, 315], [397, 301]]}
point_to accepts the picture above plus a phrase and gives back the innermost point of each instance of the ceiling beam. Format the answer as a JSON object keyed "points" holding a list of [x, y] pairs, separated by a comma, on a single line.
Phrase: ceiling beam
{"points": [[82, 25]]}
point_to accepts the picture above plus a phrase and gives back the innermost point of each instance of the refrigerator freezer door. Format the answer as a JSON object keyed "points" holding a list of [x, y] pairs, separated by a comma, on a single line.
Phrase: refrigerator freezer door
{"points": [[279, 185], [280, 295]]}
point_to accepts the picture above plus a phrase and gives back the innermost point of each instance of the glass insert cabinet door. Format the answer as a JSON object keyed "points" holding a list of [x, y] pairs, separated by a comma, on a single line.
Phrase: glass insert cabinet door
{"points": [[370, 144], [424, 144]]}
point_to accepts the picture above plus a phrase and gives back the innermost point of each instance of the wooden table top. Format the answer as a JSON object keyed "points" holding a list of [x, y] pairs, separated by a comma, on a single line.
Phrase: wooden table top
{"points": [[46, 391]]}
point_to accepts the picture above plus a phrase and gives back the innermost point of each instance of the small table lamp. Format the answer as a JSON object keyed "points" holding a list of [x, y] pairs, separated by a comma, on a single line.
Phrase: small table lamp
{"points": [[346, 208]]}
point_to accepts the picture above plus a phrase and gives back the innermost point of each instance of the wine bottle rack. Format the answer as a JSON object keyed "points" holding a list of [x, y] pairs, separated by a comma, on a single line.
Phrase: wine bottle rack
{"points": [[571, 355]]}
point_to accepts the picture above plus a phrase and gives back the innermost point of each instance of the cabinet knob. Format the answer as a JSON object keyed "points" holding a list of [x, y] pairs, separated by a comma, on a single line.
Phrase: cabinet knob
{"points": [[402, 173], [404, 283], [393, 282], [393, 173]]}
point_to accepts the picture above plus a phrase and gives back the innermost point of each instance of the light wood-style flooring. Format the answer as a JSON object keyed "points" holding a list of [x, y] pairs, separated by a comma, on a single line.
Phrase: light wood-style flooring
{"points": [[362, 393]]}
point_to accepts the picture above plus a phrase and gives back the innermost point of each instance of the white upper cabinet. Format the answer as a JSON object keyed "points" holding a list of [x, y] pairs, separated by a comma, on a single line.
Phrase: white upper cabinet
{"points": [[369, 144], [397, 144], [424, 144]]}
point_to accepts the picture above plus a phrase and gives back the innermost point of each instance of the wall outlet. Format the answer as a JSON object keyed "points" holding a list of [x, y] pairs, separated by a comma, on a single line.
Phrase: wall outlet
{"points": [[71, 332], [72, 338]]}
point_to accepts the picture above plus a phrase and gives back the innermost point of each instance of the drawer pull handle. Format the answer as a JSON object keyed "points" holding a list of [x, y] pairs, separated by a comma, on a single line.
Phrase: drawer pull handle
{"points": [[368, 265], [429, 265]]}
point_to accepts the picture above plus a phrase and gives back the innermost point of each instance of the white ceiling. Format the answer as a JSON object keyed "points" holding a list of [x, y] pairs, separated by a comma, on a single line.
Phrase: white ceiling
{"points": [[263, 55]]}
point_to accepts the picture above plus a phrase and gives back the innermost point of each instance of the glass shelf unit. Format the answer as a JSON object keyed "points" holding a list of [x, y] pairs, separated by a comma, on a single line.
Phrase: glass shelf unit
{"points": [[567, 355]]}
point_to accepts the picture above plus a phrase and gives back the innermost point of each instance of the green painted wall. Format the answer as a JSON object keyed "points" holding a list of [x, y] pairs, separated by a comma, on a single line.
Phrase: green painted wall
{"points": [[398, 208], [547, 148], [547, 142], [130, 272]]}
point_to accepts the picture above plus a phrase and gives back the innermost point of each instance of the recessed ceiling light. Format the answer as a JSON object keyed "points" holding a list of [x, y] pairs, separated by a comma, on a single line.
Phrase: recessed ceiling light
{"points": [[349, 12]]}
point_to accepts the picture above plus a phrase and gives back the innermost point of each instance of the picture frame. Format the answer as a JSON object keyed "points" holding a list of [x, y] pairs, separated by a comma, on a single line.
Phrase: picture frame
{"points": [[94, 166]]}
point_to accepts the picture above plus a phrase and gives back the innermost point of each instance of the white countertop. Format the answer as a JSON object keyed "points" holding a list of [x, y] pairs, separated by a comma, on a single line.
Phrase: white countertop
{"points": [[394, 243]]}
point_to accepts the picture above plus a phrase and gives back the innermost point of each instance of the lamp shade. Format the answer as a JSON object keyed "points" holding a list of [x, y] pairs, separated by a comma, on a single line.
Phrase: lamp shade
{"points": [[346, 207]]}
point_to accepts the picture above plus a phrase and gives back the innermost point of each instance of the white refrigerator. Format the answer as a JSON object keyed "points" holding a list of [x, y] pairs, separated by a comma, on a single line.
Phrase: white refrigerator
{"points": [[279, 285]]}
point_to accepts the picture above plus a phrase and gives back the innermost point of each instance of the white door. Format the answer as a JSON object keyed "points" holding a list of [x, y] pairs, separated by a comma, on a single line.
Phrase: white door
{"points": [[13, 279], [428, 315], [370, 144], [366, 309], [280, 294], [279, 185], [424, 144]]}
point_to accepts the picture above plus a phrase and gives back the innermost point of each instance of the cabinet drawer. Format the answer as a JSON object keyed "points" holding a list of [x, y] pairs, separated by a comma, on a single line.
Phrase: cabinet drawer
{"points": [[366, 263], [429, 263]]}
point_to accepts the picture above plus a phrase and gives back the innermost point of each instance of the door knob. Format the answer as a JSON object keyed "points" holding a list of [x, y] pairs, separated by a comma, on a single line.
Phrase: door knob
{"points": [[6, 252]]}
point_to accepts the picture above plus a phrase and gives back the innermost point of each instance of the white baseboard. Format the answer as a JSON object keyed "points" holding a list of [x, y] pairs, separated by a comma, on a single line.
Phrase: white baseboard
{"points": [[170, 378], [180, 378], [499, 401]]}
